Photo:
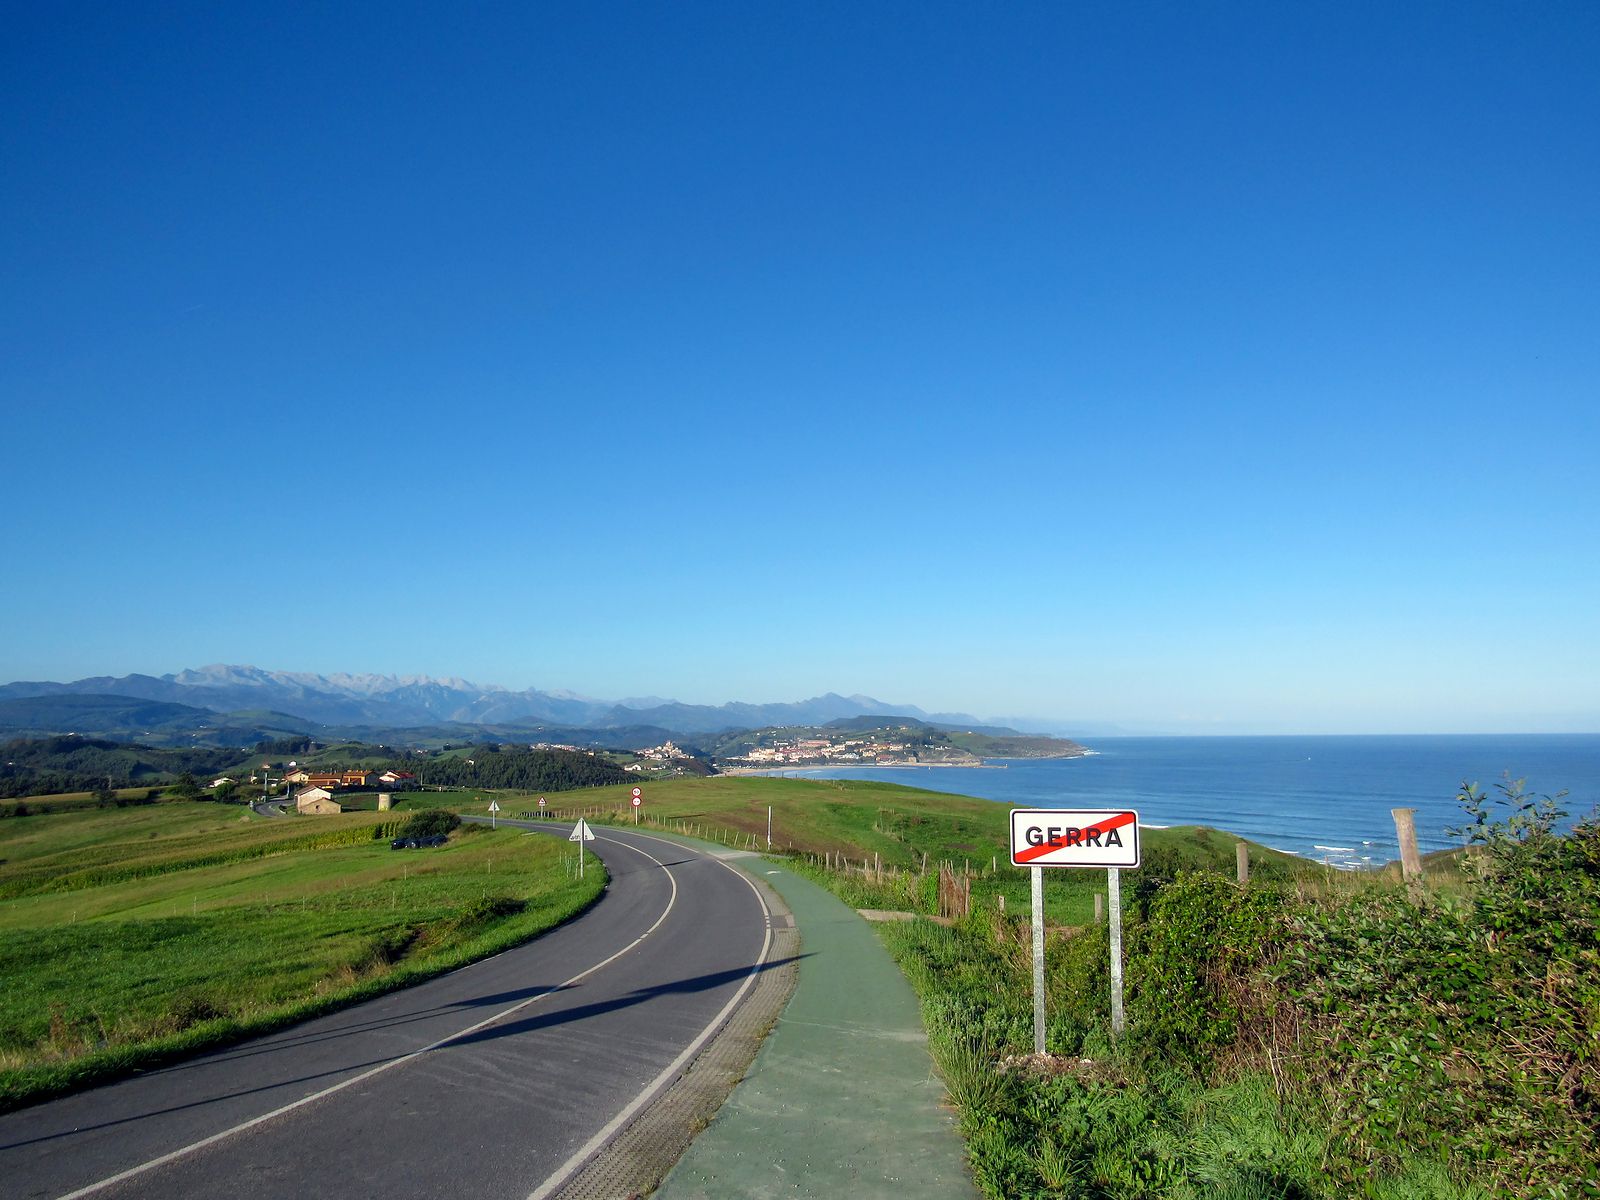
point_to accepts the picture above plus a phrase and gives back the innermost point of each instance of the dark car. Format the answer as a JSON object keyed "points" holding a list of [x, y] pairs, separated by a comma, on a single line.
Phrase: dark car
{"points": [[403, 843]]}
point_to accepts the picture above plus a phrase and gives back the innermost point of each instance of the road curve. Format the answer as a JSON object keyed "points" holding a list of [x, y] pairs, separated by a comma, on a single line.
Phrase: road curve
{"points": [[496, 1080]]}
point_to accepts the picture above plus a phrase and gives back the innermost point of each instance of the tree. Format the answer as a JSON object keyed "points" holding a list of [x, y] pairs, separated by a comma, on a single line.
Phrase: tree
{"points": [[185, 788]]}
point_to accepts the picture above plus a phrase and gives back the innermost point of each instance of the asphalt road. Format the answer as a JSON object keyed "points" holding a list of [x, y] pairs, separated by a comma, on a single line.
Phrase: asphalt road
{"points": [[496, 1080]]}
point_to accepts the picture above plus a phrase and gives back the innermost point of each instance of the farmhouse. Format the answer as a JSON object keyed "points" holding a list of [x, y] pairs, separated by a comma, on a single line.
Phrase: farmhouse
{"points": [[397, 779], [316, 801]]}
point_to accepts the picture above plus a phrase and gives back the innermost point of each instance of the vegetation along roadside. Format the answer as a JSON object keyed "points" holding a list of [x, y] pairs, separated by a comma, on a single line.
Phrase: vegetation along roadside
{"points": [[132, 936], [1292, 1040], [1311, 1034]]}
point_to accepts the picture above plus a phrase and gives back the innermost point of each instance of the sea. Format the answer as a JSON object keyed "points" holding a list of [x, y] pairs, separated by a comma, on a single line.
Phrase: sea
{"points": [[1324, 798]]}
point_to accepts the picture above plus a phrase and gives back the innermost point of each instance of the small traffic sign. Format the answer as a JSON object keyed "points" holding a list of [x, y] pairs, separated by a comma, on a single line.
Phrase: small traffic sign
{"points": [[638, 793], [637, 799], [541, 801], [1046, 837], [494, 806], [581, 833]]}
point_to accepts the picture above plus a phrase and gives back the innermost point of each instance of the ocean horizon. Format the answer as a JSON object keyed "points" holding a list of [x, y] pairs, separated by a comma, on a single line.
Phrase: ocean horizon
{"points": [[1324, 797]]}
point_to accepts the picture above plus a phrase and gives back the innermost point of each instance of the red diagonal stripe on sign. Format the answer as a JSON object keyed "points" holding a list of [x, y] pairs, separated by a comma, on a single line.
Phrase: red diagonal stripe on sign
{"points": [[1033, 852]]}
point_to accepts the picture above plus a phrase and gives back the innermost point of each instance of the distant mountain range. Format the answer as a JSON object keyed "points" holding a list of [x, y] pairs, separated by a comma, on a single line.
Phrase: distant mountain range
{"points": [[255, 699]]}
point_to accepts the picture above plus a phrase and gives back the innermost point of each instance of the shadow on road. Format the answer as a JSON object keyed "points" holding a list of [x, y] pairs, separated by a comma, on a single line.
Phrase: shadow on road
{"points": [[698, 983]]}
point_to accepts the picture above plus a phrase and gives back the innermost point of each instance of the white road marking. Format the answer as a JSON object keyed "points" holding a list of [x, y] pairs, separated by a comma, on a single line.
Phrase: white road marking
{"points": [[564, 1173], [173, 1155]]}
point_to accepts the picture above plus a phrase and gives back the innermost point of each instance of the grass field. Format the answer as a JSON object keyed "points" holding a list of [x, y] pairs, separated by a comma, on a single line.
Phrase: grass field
{"points": [[909, 830], [129, 935]]}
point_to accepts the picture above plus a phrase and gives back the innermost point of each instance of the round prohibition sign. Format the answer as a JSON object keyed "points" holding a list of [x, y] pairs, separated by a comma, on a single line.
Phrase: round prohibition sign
{"points": [[638, 797]]}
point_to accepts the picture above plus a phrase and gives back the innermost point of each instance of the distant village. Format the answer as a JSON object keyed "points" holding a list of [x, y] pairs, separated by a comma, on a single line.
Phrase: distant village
{"points": [[316, 792], [859, 751], [666, 753], [313, 791]]}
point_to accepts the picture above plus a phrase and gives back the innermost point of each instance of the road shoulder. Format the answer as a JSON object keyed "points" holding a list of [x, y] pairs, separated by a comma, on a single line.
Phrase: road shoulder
{"points": [[842, 1099], [633, 1163]]}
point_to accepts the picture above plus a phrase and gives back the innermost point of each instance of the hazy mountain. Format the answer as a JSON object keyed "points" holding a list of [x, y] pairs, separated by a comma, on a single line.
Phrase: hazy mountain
{"points": [[419, 700], [148, 722]]}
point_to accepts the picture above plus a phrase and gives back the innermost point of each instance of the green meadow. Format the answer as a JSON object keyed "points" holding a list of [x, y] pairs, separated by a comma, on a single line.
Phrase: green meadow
{"points": [[128, 936], [850, 828]]}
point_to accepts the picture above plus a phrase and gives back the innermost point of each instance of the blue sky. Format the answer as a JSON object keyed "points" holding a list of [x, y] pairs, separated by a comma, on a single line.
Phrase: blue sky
{"points": [[1199, 368]]}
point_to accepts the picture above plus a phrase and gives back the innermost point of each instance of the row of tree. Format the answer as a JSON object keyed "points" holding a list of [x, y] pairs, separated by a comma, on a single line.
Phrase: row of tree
{"points": [[516, 769]]}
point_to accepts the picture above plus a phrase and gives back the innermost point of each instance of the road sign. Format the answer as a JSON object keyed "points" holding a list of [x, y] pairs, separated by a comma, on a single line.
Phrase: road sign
{"points": [[1075, 837], [638, 794], [541, 803], [581, 833], [637, 800], [1066, 837], [494, 806]]}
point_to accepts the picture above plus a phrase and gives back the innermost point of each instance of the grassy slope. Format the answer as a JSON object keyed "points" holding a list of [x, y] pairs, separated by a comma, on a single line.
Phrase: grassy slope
{"points": [[899, 824], [168, 943]]}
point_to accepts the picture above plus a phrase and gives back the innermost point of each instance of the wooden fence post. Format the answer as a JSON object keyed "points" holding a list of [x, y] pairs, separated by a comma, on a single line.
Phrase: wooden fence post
{"points": [[1241, 853], [1410, 861]]}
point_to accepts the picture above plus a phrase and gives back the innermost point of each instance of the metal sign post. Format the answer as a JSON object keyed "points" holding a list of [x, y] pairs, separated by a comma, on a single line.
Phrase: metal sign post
{"points": [[1075, 838], [494, 807], [1038, 958], [638, 799], [1114, 897]]}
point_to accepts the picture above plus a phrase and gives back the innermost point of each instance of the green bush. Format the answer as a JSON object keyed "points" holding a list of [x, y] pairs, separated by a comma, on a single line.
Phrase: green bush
{"points": [[1466, 1029], [1355, 1043], [431, 822], [1193, 965]]}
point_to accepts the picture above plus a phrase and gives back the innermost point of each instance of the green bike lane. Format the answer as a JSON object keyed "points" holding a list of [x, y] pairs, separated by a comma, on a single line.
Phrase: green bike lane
{"points": [[842, 1099]]}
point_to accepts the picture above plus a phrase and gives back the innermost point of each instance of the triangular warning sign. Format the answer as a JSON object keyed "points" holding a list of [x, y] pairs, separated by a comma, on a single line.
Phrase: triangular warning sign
{"points": [[581, 832]]}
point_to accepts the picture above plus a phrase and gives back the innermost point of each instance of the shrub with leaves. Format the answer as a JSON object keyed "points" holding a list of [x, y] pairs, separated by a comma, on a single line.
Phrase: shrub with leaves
{"points": [[1467, 1028], [1195, 963], [431, 822]]}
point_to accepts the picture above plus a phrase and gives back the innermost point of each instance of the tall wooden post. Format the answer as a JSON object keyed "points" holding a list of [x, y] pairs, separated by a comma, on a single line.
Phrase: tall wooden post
{"points": [[1241, 854], [1410, 861], [1099, 907]]}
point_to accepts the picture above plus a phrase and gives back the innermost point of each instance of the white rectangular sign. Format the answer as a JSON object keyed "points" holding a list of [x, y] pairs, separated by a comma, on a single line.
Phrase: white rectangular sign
{"points": [[1071, 837]]}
